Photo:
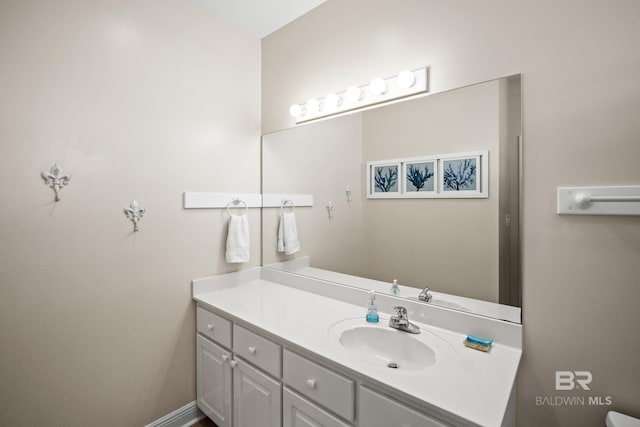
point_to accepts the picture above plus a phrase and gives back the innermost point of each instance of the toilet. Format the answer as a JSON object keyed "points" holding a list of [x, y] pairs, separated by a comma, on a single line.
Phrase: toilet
{"points": [[616, 419]]}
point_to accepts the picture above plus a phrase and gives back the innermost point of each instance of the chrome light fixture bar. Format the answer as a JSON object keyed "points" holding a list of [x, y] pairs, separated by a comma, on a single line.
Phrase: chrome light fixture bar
{"points": [[379, 90]]}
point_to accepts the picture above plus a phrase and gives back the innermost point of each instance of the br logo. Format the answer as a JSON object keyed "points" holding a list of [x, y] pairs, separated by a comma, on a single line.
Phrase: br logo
{"points": [[570, 380]]}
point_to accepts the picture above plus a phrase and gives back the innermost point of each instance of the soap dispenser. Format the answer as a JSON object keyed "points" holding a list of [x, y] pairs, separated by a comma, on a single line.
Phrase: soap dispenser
{"points": [[395, 290], [372, 310]]}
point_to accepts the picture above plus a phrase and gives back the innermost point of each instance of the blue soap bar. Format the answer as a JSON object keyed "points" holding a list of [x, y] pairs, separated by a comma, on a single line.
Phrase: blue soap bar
{"points": [[480, 341]]}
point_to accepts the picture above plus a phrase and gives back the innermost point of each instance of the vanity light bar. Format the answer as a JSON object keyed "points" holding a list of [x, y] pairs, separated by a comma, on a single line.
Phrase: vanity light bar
{"points": [[379, 90]]}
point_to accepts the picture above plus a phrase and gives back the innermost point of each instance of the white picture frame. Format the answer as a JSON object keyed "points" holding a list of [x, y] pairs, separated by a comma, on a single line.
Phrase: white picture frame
{"points": [[464, 175], [446, 169], [420, 177], [383, 179]]}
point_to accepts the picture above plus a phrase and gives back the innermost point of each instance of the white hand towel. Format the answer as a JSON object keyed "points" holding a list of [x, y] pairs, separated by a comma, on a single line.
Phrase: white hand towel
{"points": [[288, 241], [238, 239]]}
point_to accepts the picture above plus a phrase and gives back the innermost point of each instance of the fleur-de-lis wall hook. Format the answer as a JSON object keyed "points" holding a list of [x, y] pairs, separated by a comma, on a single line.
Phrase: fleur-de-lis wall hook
{"points": [[330, 210], [134, 212], [56, 179]]}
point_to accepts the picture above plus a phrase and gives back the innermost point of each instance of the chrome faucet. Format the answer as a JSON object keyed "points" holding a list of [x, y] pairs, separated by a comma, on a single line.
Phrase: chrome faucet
{"points": [[425, 295], [401, 321]]}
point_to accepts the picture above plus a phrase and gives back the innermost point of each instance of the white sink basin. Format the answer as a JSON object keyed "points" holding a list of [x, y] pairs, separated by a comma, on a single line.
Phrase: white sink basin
{"points": [[388, 347], [382, 346]]}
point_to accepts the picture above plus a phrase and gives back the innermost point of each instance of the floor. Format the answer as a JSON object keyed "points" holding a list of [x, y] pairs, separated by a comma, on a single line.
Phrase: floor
{"points": [[205, 422]]}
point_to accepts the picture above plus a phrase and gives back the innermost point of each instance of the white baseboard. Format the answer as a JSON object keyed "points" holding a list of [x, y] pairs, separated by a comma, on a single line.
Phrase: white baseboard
{"points": [[188, 415]]}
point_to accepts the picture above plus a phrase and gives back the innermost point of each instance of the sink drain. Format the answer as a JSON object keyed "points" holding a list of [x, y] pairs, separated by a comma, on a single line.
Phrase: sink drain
{"points": [[392, 365]]}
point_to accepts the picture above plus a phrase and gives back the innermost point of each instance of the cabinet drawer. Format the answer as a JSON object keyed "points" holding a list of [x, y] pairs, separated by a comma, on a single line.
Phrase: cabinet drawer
{"points": [[299, 412], [260, 351], [214, 327], [326, 387], [376, 410]]}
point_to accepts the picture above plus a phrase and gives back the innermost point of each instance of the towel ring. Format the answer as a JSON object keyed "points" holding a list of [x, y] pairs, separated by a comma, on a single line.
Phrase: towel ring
{"points": [[287, 203], [236, 202]]}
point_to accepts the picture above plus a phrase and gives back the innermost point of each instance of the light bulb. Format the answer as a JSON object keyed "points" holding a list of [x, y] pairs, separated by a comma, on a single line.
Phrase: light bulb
{"points": [[313, 106], [378, 86], [354, 93], [332, 101], [295, 110], [405, 79]]}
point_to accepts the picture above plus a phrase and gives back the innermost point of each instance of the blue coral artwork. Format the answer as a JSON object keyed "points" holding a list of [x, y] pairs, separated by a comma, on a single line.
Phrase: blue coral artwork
{"points": [[436, 176], [460, 174], [419, 177], [385, 179]]}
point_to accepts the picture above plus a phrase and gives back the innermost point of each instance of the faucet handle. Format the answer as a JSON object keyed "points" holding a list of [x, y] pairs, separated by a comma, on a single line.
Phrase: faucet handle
{"points": [[425, 295], [401, 321], [401, 312]]}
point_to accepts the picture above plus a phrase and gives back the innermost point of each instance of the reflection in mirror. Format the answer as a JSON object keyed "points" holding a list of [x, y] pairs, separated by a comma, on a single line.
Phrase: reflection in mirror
{"points": [[465, 249]]}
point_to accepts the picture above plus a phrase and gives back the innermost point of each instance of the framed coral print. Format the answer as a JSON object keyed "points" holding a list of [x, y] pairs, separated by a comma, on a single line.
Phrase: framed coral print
{"points": [[464, 175], [441, 176], [383, 179], [420, 178]]}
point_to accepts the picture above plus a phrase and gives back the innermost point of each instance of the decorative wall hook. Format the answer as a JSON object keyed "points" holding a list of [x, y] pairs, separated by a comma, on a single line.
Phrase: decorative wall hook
{"points": [[134, 212], [330, 210], [56, 179], [347, 192]]}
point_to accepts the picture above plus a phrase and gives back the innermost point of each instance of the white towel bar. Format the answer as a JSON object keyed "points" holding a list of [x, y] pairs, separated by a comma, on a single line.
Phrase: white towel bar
{"points": [[615, 199], [194, 200], [271, 200], [622, 200]]}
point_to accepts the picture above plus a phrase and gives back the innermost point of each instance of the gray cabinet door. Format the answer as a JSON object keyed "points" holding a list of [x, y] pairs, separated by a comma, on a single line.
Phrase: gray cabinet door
{"points": [[257, 400], [214, 381]]}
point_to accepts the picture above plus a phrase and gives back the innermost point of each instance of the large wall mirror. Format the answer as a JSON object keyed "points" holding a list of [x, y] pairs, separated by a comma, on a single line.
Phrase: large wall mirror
{"points": [[425, 233]]}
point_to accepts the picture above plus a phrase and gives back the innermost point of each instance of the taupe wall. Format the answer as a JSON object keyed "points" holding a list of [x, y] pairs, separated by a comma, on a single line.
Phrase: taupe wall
{"points": [[580, 72], [451, 245], [141, 100]]}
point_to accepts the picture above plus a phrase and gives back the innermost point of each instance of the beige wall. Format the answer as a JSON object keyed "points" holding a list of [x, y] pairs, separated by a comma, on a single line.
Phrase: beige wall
{"points": [[426, 242], [141, 100], [580, 89]]}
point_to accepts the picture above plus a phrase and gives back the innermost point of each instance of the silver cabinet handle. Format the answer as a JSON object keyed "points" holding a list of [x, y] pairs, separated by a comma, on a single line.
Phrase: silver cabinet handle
{"points": [[252, 350], [210, 326], [311, 383], [233, 363], [225, 357]]}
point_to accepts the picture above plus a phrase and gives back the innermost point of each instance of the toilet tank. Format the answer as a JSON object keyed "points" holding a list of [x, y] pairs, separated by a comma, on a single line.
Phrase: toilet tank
{"points": [[616, 419]]}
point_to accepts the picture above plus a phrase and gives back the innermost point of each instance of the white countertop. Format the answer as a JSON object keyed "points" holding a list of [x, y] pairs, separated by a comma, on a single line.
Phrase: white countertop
{"points": [[469, 384]]}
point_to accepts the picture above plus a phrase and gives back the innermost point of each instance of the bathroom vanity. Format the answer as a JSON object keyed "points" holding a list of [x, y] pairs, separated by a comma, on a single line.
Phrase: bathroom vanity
{"points": [[278, 349]]}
